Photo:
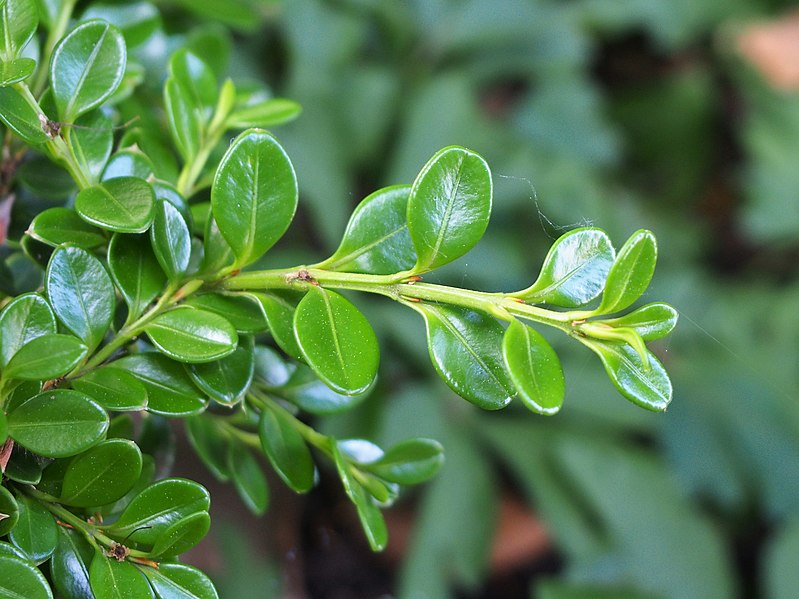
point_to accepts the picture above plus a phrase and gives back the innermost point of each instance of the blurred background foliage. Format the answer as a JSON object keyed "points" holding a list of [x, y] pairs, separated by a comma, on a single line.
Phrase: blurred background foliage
{"points": [[681, 117]]}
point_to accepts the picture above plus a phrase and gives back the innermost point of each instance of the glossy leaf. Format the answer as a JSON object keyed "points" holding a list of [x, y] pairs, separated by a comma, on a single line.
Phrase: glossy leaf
{"points": [[182, 535], [225, 380], [646, 385], [102, 474], [55, 226], [122, 204], [267, 113], [9, 510], [279, 311], [377, 240], [190, 335], [18, 22], [25, 467], [136, 272], [336, 341], [449, 207], [36, 532], [170, 391], [651, 322], [574, 270], [210, 442], [16, 70], [248, 478], [46, 357], [409, 462], [171, 240], [254, 195], [286, 449], [183, 118], [58, 423], [87, 67], [20, 579], [113, 388], [307, 392], [631, 272], [20, 117], [158, 507], [466, 350], [534, 368], [369, 514], [196, 78], [179, 581], [27, 317], [81, 293], [217, 254], [69, 566], [243, 311], [111, 579], [92, 141], [129, 163]]}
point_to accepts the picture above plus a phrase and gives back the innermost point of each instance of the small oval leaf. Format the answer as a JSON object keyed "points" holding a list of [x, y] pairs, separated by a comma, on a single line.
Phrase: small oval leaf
{"points": [[113, 388], [121, 204], [102, 474], [36, 532], [56, 226], [336, 341], [449, 206], [46, 357], [534, 368], [21, 579], [226, 379], [631, 272], [21, 117], [179, 581], [254, 195], [69, 566], [27, 317], [182, 535], [409, 462], [651, 322], [136, 272], [286, 449], [171, 240], [248, 478], [190, 335], [111, 579]]}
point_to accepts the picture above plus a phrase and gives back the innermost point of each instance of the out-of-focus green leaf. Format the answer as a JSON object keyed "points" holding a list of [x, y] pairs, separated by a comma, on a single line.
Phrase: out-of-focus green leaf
{"points": [[286, 449], [248, 478]]}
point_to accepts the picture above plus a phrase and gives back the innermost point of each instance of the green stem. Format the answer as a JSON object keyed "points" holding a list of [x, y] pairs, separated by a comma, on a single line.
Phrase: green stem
{"points": [[313, 437], [497, 304], [92, 534]]}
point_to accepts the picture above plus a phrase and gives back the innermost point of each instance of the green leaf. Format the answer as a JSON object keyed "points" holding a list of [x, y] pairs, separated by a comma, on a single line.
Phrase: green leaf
{"points": [[286, 449], [27, 317], [449, 206], [410, 462], [336, 341], [9, 510], [24, 467], [158, 507], [466, 350], [210, 443], [20, 579], [16, 70], [3, 429], [81, 293], [56, 226], [307, 392], [268, 113], [58, 423], [46, 357], [183, 118], [225, 380], [136, 20], [254, 195], [377, 240], [129, 163], [122, 204], [36, 532], [242, 310], [574, 270], [135, 270], [279, 311], [190, 335], [248, 478], [651, 322], [217, 255], [534, 368], [369, 514], [179, 581], [646, 385], [21, 117], [170, 391], [781, 577], [197, 80], [182, 535], [630, 274], [102, 474], [111, 579], [69, 566], [171, 240], [87, 67], [91, 141], [18, 22], [113, 388]]}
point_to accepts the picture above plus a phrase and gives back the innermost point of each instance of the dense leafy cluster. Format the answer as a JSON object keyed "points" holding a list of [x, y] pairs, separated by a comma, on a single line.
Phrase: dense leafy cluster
{"points": [[134, 289]]}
